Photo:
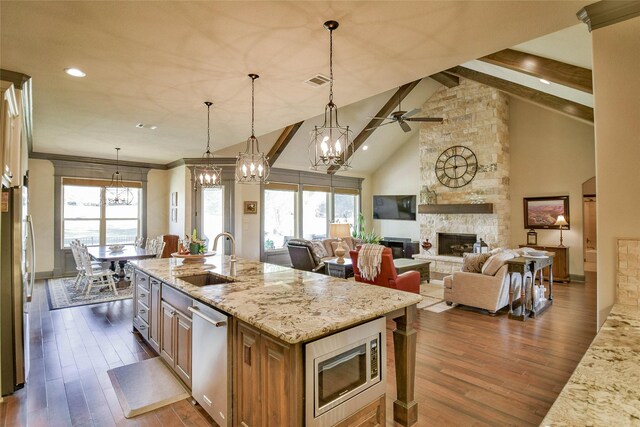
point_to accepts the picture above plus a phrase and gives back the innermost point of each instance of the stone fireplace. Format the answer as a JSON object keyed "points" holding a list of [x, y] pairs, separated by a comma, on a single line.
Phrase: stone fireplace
{"points": [[476, 117], [455, 244]]}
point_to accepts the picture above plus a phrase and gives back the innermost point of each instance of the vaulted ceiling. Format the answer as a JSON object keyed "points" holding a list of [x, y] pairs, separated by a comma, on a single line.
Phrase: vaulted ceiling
{"points": [[157, 62]]}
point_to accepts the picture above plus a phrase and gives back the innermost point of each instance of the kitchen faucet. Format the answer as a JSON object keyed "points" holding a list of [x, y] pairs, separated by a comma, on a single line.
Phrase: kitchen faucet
{"points": [[233, 244]]}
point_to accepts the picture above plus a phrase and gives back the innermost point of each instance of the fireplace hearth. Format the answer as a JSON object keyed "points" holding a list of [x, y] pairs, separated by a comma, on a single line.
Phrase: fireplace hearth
{"points": [[455, 244]]}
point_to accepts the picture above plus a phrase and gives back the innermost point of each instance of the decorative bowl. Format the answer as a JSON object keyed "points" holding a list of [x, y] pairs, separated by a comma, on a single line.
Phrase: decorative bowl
{"points": [[116, 248]]}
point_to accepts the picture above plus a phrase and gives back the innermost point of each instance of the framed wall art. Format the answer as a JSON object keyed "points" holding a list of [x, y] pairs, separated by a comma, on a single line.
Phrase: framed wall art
{"points": [[542, 212], [251, 207]]}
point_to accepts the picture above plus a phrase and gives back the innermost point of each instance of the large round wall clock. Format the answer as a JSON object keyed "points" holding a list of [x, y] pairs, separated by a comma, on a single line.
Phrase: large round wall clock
{"points": [[456, 166]]}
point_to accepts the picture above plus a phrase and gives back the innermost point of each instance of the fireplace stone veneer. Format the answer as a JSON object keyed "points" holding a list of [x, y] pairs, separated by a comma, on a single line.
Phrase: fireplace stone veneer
{"points": [[476, 117]]}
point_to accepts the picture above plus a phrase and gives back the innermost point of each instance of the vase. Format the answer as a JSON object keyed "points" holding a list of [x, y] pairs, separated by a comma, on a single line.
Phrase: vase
{"points": [[194, 248], [426, 245]]}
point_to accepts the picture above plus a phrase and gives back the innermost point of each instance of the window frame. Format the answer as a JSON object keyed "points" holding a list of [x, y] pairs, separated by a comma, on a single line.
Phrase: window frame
{"points": [[102, 230]]}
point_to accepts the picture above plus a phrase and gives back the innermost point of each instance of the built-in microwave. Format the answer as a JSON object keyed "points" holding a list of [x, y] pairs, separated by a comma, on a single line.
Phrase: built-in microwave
{"points": [[344, 372]]}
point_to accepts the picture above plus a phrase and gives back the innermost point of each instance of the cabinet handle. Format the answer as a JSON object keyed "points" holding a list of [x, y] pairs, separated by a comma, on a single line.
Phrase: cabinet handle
{"points": [[143, 295], [142, 327], [142, 311], [142, 279]]}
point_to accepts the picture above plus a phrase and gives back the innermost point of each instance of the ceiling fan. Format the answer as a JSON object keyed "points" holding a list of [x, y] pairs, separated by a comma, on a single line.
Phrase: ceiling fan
{"points": [[402, 117]]}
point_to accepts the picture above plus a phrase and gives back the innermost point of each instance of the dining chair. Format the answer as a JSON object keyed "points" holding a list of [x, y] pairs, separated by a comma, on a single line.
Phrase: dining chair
{"points": [[76, 246], [139, 242], [99, 277], [160, 249], [150, 247]]}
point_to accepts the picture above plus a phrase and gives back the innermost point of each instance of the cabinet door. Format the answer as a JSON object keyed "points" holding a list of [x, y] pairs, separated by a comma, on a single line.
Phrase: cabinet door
{"points": [[167, 336], [248, 380], [278, 371], [183, 347], [155, 317]]}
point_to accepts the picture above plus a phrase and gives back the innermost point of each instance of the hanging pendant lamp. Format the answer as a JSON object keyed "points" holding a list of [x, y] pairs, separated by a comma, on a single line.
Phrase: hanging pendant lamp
{"points": [[331, 146], [117, 193], [252, 166], [207, 174]]}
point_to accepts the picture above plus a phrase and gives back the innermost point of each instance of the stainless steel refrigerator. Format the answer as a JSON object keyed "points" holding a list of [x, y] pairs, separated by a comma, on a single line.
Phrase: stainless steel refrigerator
{"points": [[17, 274]]}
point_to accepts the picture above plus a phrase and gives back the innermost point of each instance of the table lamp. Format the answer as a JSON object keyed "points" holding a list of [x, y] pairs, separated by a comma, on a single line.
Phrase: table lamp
{"points": [[339, 231], [561, 222]]}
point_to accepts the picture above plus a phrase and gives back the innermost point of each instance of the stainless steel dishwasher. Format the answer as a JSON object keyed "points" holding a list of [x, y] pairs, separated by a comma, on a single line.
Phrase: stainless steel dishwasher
{"points": [[210, 357]]}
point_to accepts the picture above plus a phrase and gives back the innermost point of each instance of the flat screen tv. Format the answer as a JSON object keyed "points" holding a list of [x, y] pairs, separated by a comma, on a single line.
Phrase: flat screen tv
{"points": [[394, 207]]}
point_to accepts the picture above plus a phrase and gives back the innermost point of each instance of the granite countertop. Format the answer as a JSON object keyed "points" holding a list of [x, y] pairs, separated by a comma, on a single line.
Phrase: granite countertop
{"points": [[292, 305], [604, 390]]}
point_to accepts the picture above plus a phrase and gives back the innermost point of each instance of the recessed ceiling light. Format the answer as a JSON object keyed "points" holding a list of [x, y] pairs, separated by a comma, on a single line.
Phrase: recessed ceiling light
{"points": [[75, 72], [153, 127], [140, 125], [547, 82], [365, 147]]}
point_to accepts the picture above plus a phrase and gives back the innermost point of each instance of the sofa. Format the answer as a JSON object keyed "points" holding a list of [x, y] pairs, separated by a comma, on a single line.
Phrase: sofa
{"points": [[487, 288]]}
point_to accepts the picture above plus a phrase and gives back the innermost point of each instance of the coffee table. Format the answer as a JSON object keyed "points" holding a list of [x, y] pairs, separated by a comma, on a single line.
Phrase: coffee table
{"points": [[406, 264], [335, 269]]}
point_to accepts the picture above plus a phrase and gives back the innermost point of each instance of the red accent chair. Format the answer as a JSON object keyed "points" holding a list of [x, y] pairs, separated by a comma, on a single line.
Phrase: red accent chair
{"points": [[388, 276]]}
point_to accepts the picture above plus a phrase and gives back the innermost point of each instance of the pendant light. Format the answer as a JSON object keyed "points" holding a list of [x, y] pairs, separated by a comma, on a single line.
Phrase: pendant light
{"points": [[252, 166], [331, 146], [117, 193], [206, 174]]}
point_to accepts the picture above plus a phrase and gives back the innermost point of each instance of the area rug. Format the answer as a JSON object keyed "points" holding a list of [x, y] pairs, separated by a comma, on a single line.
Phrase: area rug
{"points": [[61, 293], [439, 307], [144, 386]]}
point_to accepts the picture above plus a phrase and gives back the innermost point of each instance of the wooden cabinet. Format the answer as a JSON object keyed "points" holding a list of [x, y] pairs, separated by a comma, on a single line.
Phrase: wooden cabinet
{"points": [[268, 373], [175, 344], [372, 415], [141, 304], [155, 316], [560, 262]]}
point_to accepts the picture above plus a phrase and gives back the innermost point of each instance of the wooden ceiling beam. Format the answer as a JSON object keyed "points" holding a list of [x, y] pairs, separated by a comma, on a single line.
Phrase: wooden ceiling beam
{"points": [[553, 102], [445, 79], [386, 109], [283, 140], [543, 68]]}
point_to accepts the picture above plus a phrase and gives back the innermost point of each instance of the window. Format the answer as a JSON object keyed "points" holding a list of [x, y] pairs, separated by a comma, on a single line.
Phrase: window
{"points": [[212, 215], [345, 206], [88, 218], [280, 214], [315, 211]]}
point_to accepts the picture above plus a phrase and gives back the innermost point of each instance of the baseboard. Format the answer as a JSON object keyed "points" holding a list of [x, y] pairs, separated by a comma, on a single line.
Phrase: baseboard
{"points": [[41, 275], [576, 277]]}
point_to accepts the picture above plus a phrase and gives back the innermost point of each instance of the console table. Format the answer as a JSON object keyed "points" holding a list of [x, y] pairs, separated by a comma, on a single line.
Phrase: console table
{"points": [[534, 265], [560, 263]]}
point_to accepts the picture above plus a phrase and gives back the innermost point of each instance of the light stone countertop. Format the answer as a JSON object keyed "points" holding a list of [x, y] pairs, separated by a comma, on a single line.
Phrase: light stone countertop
{"points": [[604, 390], [293, 305]]}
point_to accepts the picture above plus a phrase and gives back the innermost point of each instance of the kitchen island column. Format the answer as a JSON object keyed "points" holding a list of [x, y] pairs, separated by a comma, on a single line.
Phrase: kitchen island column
{"points": [[405, 408]]}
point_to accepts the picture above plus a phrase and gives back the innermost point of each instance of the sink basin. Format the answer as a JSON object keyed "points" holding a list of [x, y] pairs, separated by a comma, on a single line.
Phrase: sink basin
{"points": [[206, 279]]}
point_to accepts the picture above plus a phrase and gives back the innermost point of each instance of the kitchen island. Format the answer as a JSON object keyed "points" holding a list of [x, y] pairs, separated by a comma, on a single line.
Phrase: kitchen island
{"points": [[282, 309]]}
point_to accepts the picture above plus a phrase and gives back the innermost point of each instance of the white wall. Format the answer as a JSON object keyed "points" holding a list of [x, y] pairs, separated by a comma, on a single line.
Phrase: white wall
{"points": [[157, 202], [179, 181], [551, 155], [247, 226], [41, 189], [400, 174], [616, 67]]}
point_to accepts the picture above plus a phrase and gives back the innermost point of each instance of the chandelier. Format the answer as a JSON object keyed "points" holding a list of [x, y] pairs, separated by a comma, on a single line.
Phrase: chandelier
{"points": [[206, 174], [252, 166], [116, 192], [331, 146]]}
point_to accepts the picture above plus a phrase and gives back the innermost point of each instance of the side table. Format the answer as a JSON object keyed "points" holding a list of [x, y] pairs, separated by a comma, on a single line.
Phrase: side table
{"points": [[335, 269]]}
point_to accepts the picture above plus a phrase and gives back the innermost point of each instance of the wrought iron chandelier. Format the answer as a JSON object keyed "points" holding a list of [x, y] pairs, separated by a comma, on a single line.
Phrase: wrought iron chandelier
{"points": [[206, 174], [252, 166], [331, 146], [117, 193]]}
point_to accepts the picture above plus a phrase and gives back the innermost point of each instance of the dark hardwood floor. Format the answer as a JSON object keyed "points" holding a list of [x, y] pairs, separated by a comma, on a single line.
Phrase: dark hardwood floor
{"points": [[472, 369]]}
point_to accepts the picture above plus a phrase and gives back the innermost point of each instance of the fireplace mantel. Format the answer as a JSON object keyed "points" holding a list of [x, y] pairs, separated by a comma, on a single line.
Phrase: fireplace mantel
{"points": [[460, 208]]}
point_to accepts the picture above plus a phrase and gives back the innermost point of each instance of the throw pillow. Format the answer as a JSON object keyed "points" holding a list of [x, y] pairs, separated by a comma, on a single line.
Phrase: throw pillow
{"points": [[472, 263], [327, 246], [319, 249], [496, 261]]}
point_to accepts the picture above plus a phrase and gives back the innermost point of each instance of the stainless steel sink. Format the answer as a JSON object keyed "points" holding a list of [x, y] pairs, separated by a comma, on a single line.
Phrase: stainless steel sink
{"points": [[206, 279]]}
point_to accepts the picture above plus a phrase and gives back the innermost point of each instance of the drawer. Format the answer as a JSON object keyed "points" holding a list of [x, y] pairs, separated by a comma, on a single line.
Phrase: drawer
{"points": [[177, 299], [143, 295], [142, 280], [143, 312], [141, 327]]}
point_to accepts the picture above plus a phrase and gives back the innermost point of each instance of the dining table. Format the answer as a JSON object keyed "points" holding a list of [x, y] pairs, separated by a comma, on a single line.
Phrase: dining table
{"points": [[128, 252]]}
